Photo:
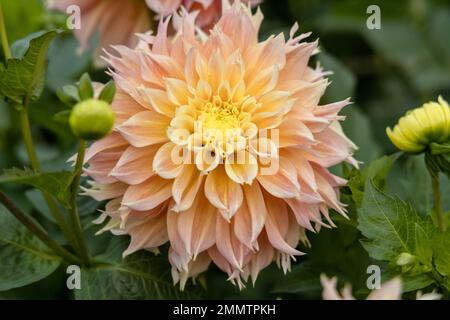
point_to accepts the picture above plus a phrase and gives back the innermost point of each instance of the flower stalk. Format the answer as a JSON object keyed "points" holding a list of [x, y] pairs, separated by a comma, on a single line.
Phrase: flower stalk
{"points": [[74, 215], [4, 36], [437, 203], [28, 140], [37, 230]]}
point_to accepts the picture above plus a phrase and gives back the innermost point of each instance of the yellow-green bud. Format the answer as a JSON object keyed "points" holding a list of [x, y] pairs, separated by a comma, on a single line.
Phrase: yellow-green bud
{"points": [[420, 127], [405, 258], [91, 119]]}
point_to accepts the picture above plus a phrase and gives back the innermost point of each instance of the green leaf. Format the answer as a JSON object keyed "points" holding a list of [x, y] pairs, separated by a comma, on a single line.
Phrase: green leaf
{"points": [[85, 88], [342, 80], [350, 265], [423, 247], [62, 116], [20, 47], [55, 183], [414, 55], [416, 282], [377, 171], [304, 278], [108, 92], [68, 94], [441, 252], [387, 223], [22, 17], [66, 62], [141, 275], [410, 181], [25, 78], [358, 127], [24, 258]]}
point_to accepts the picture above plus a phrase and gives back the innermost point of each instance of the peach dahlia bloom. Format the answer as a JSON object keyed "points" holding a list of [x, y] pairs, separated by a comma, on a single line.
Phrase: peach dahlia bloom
{"points": [[213, 97], [116, 21]]}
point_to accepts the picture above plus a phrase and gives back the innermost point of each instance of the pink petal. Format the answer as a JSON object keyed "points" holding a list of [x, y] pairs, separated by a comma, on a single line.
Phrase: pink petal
{"points": [[148, 194], [145, 128], [185, 187], [223, 193]]}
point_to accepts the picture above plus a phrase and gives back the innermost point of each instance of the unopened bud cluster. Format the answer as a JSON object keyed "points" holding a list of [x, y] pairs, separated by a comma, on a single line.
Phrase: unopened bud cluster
{"points": [[91, 117]]}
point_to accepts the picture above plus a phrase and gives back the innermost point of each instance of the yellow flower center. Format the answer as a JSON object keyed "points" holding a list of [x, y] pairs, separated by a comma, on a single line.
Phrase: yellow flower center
{"points": [[221, 115], [213, 126]]}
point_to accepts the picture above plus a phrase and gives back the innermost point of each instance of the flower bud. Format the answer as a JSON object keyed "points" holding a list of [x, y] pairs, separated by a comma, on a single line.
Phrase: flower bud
{"points": [[91, 119], [420, 127], [405, 258]]}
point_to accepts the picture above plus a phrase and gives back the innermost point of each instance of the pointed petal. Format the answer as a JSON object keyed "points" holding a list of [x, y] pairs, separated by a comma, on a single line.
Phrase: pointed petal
{"points": [[145, 128], [148, 194], [223, 193], [135, 165], [165, 162], [284, 183], [250, 218], [185, 187]]}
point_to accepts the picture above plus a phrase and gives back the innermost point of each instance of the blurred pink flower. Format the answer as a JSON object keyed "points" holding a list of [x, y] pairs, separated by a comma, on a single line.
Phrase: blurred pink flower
{"points": [[212, 94], [116, 21], [209, 11], [390, 290]]}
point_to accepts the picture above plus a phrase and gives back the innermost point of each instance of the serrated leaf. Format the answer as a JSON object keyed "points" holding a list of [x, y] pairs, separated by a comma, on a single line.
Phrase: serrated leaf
{"points": [[388, 224], [416, 282], [141, 275], [441, 253], [55, 183], [24, 258], [423, 248], [25, 78], [377, 171], [20, 47]]}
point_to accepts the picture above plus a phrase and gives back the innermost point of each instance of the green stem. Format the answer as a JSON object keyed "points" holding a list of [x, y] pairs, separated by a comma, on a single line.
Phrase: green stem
{"points": [[437, 202], [4, 36], [37, 230], [28, 139], [74, 216]]}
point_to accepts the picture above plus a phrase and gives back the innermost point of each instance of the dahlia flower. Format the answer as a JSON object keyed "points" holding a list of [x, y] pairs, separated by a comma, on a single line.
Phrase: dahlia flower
{"points": [[209, 11], [116, 21], [220, 147], [391, 290], [421, 127]]}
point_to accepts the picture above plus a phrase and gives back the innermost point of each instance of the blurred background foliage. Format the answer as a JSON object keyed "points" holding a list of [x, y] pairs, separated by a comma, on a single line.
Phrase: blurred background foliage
{"points": [[385, 72]]}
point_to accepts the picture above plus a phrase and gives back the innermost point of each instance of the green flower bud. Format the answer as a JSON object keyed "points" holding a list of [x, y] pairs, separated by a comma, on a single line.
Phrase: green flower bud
{"points": [[405, 258], [91, 119], [422, 126]]}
